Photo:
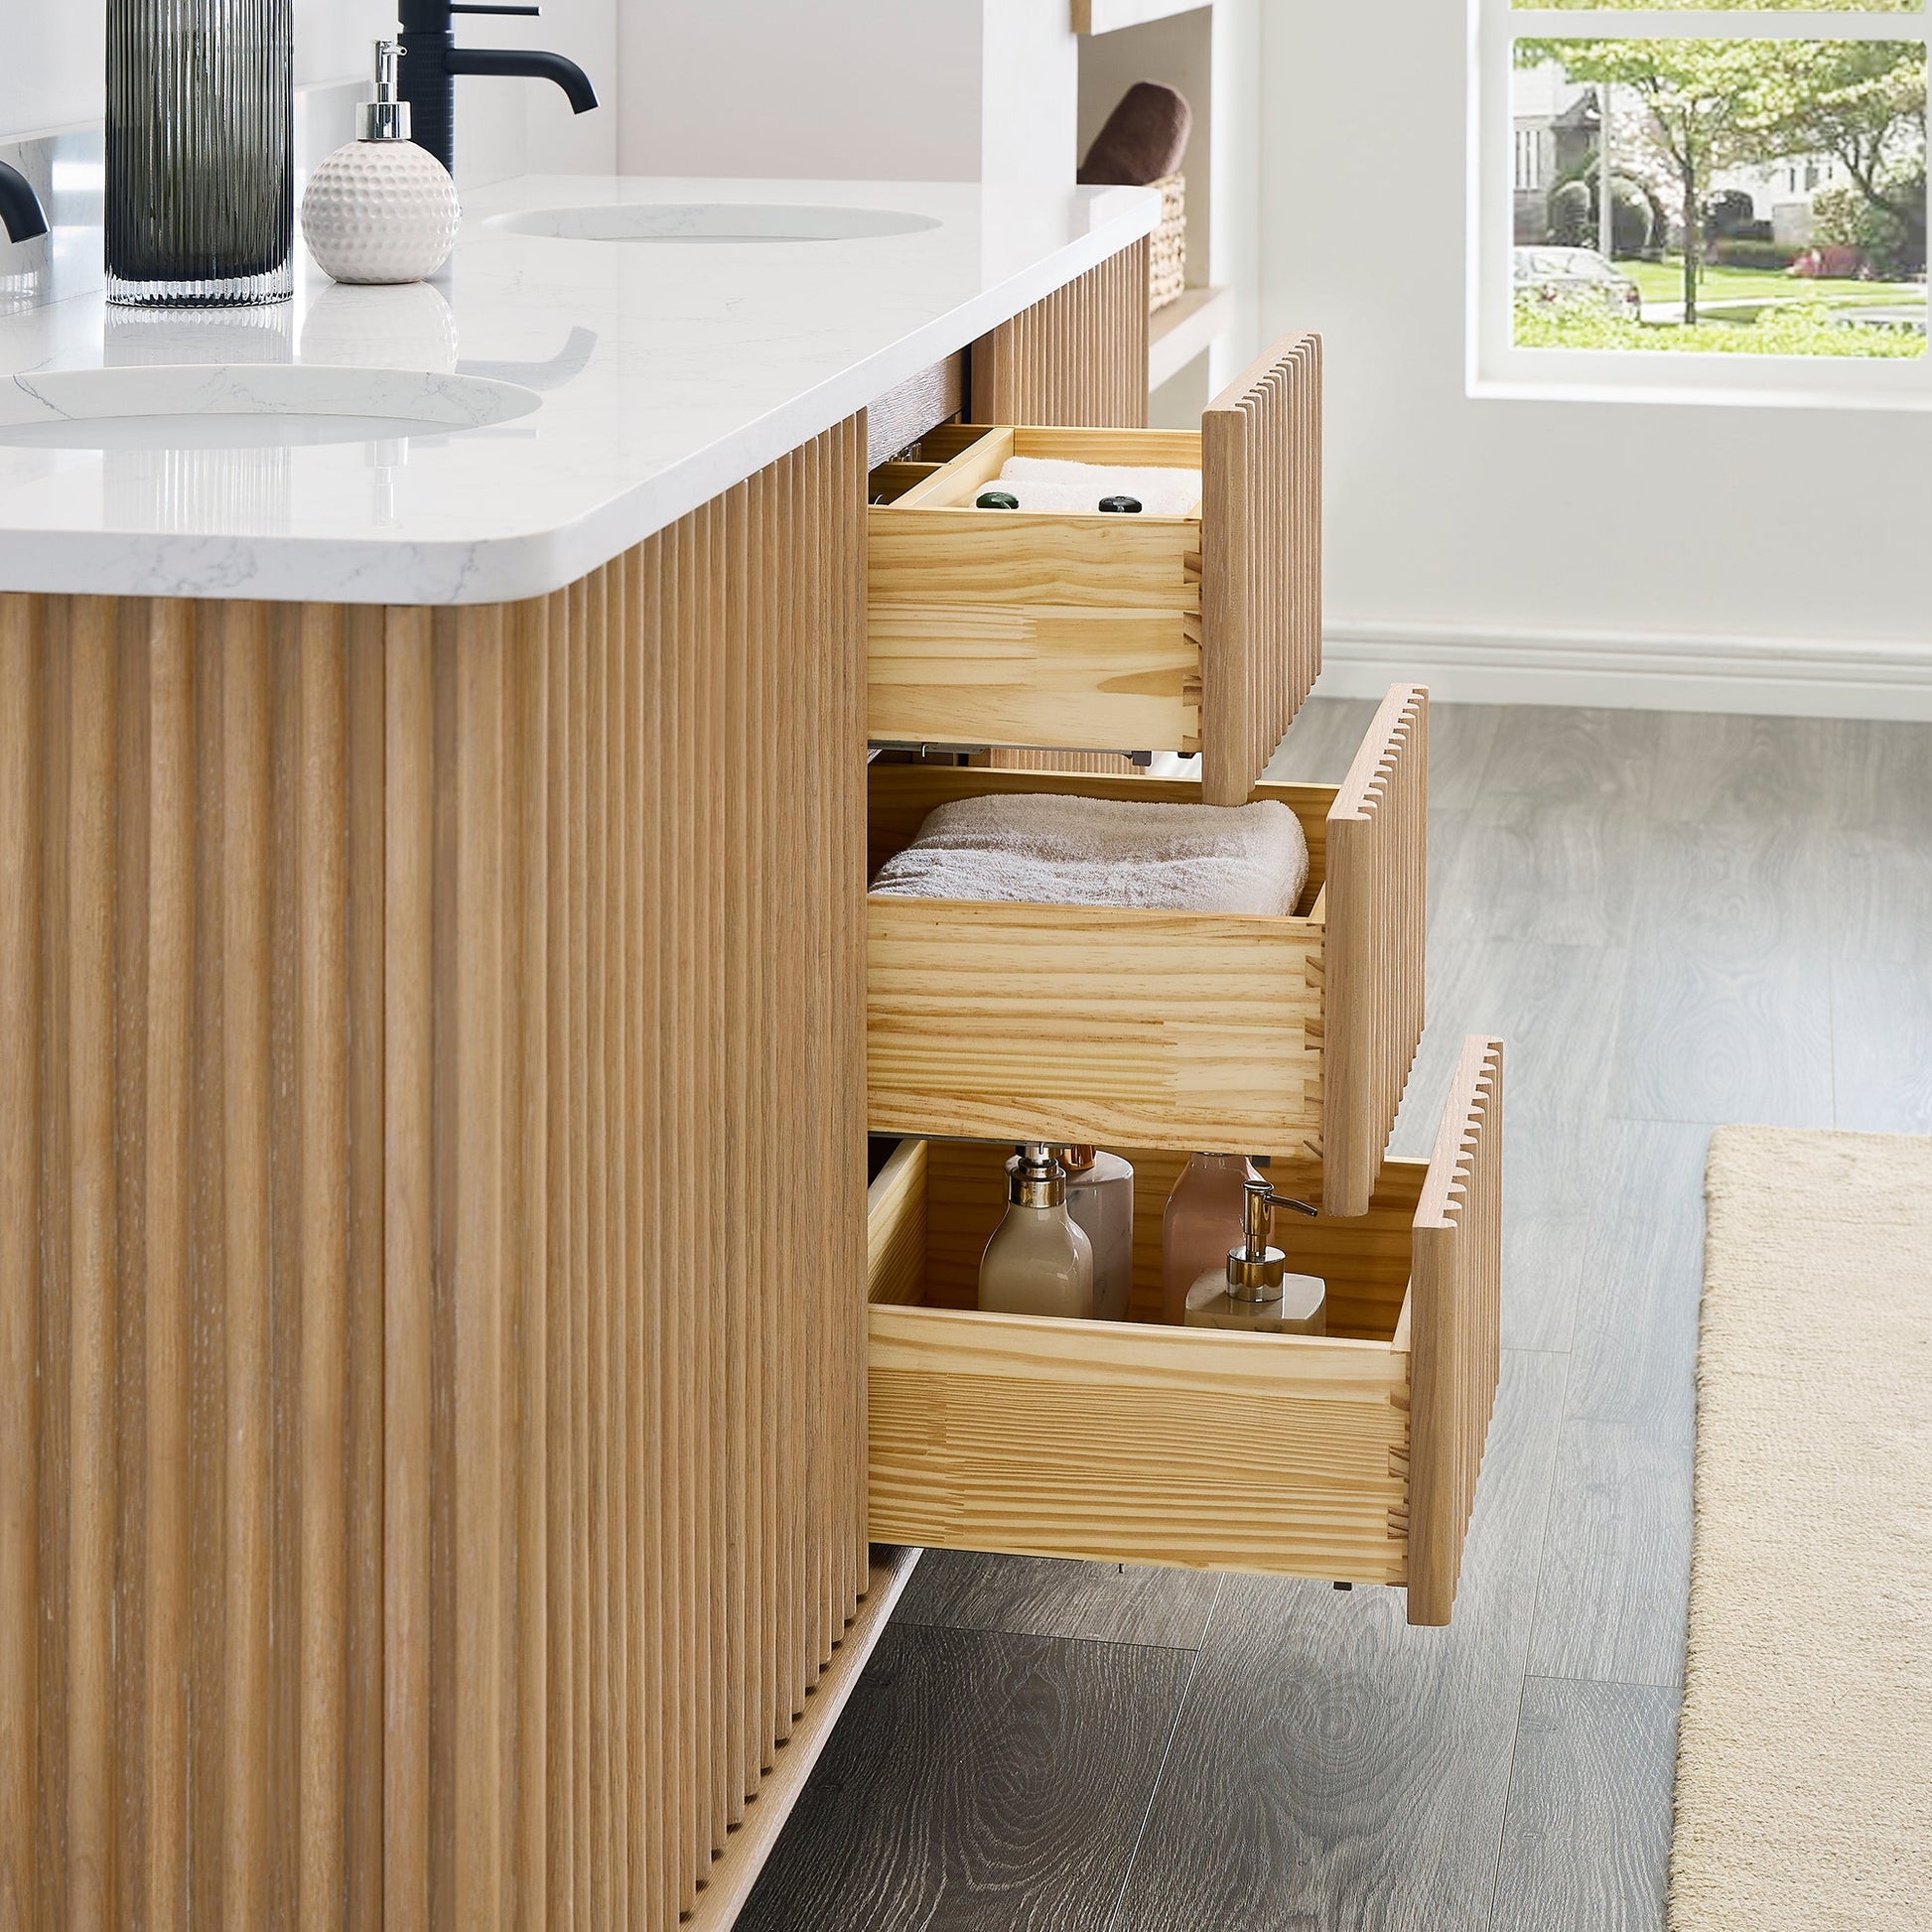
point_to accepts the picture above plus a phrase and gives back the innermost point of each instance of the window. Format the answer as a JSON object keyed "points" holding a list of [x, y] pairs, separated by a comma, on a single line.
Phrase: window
{"points": [[1529, 158], [1724, 201]]}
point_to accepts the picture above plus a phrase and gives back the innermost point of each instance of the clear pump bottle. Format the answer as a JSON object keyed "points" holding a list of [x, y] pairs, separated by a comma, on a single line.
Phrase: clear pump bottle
{"points": [[1203, 1220], [1038, 1261], [1100, 1200]]}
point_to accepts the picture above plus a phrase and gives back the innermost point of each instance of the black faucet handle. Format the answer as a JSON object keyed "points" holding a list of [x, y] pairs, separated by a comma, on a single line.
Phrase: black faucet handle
{"points": [[482, 7], [22, 217]]}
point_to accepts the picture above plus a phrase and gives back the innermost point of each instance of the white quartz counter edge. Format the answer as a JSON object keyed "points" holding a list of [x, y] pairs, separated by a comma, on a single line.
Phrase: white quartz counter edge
{"points": [[506, 568]]}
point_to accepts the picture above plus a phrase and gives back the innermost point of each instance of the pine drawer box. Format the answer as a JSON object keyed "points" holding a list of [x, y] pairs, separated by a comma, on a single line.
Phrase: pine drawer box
{"points": [[1352, 1455], [1109, 632], [1247, 1034]]}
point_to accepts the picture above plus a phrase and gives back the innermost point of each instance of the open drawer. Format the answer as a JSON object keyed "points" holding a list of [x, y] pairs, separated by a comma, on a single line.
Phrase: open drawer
{"points": [[1247, 1034], [1109, 632], [1352, 1455]]}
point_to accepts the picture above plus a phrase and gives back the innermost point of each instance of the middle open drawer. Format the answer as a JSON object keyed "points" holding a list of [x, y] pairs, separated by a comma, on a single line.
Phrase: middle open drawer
{"points": [[1185, 1030]]}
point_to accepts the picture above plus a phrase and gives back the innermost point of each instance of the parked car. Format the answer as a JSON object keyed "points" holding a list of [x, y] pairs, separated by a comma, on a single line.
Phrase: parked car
{"points": [[1576, 275]]}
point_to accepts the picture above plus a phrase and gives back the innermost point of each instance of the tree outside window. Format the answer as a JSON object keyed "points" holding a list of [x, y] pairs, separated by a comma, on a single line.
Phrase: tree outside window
{"points": [[1767, 194]]}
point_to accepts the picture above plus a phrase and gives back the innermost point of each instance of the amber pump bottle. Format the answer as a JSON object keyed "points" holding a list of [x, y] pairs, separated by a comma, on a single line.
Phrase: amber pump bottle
{"points": [[1203, 1223]]}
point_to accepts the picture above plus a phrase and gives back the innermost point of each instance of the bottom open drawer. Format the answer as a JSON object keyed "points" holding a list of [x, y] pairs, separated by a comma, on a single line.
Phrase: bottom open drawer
{"points": [[1352, 1455]]}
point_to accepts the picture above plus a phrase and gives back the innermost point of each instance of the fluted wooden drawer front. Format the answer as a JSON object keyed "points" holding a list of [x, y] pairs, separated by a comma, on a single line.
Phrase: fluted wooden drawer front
{"points": [[1352, 1455], [1176, 1029], [1110, 633]]}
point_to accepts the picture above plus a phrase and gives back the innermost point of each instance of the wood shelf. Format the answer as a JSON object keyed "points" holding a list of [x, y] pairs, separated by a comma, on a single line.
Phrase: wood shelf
{"points": [[1103, 16], [1179, 332]]}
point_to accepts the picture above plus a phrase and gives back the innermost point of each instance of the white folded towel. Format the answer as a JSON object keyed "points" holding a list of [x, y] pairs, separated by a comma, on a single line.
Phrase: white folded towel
{"points": [[1163, 492], [1044, 849]]}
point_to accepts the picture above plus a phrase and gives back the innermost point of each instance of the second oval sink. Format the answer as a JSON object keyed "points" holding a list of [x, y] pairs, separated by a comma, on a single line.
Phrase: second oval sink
{"points": [[709, 221], [227, 406]]}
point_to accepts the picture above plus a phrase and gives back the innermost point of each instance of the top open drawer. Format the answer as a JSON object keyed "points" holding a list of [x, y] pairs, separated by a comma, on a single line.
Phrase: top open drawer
{"points": [[1110, 633]]}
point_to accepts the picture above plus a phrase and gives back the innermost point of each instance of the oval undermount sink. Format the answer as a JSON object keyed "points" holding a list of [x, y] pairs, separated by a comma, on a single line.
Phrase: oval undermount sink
{"points": [[247, 406], [709, 221]]}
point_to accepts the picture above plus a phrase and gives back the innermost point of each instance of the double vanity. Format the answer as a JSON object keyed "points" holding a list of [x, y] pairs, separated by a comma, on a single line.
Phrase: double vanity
{"points": [[458, 1403]]}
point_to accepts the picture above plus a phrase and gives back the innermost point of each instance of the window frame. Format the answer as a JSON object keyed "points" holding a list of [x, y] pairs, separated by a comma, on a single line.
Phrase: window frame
{"points": [[1496, 367]]}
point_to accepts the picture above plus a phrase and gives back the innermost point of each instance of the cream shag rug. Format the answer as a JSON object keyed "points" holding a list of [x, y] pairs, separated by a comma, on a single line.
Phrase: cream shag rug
{"points": [[1804, 1753]]}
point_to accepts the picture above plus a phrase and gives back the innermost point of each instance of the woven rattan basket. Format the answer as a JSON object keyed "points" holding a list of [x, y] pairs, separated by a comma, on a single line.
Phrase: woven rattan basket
{"points": [[1167, 267]]}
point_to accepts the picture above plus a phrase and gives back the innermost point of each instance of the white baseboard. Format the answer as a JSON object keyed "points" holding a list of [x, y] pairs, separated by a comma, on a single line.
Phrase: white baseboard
{"points": [[1768, 676]]}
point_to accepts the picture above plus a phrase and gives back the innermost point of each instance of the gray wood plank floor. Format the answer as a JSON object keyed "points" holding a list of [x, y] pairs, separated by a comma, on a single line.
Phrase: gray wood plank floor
{"points": [[1674, 921]]}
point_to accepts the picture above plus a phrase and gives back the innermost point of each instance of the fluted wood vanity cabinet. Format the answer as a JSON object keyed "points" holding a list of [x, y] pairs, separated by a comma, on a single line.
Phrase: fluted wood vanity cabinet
{"points": [[431, 1080], [434, 1258], [433, 1220]]}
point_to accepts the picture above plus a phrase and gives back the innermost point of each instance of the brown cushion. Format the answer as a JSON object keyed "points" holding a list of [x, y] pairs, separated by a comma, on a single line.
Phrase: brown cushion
{"points": [[1143, 139]]}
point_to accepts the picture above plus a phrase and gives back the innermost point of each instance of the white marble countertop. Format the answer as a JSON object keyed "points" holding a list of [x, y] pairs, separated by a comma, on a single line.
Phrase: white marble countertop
{"points": [[664, 372]]}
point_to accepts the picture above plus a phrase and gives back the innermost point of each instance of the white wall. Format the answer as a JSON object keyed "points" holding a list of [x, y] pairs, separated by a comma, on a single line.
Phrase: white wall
{"points": [[848, 89], [864, 90], [52, 77], [56, 55], [518, 127], [1236, 251], [1029, 60], [1787, 535]]}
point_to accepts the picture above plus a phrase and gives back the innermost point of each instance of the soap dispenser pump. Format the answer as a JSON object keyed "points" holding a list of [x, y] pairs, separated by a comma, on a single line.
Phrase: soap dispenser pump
{"points": [[1038, 1260], [1256, 1291], [381, 210]]}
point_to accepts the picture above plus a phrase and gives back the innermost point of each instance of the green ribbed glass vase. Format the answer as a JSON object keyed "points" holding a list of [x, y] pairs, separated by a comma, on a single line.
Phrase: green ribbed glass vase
{"points": [[201, 185]]}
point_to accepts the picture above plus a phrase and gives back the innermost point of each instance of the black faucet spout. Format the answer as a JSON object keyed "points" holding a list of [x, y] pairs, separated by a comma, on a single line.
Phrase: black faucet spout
{"points": [[432, 60], [516, 63], [21, 214]]}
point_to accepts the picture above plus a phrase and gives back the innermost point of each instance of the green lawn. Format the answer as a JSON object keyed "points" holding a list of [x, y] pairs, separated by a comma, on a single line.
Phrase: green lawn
{"points": [[1664, 282]]}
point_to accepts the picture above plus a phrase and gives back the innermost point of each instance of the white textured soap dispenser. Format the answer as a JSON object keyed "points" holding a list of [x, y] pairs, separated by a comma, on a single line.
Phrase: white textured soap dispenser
{"points": [[381, 209]]}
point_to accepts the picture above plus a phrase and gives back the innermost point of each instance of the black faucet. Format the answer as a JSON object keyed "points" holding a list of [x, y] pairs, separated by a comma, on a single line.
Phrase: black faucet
{"points": [[432, 60], [21, 214]]}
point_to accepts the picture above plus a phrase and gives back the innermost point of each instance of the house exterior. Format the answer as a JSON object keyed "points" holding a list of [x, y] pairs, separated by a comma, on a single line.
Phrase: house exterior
{"points": [[1556, 131], [1555, 125], [1782, 193]]}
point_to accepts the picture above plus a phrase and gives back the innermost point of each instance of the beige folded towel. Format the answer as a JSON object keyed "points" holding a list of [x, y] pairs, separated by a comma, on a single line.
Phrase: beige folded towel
{"points": [[1048, 850], [1163, 492]]}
